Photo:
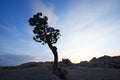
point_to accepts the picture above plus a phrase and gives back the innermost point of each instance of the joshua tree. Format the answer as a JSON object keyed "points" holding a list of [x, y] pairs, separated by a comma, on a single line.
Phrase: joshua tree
{"points": [[46, 35]]}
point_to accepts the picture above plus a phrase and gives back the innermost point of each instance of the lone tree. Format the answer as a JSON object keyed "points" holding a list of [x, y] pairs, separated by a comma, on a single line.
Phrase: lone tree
{"points": [[46, 35]]}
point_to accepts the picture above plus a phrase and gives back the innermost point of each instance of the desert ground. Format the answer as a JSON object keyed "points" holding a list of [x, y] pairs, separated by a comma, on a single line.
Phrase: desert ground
{"points": [[74, 73], [35, 73], [84, 73]]}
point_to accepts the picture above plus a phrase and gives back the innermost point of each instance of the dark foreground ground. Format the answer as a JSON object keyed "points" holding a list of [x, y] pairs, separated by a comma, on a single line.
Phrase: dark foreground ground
{"points": [[35, 73], [74, 73], [83, 73]]}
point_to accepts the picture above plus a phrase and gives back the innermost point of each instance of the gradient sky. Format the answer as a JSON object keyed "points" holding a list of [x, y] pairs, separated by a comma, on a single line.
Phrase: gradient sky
{"points": [[89, 28]]}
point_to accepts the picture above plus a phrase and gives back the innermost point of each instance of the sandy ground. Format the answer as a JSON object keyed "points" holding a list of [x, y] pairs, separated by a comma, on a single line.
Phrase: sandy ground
{"points": [[27, 74], [74, 73], [82, 73]]}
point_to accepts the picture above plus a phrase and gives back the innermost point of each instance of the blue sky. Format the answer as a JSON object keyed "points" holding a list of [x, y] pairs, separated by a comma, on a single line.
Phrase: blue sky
{"points": [[89, 28]]}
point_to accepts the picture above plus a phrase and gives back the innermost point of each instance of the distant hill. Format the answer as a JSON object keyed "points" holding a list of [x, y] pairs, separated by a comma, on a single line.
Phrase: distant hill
{"points": [[104, 61]]}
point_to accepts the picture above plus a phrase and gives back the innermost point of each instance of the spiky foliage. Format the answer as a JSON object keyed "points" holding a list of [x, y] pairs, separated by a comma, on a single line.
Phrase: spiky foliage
{"points": [[43, 33]]}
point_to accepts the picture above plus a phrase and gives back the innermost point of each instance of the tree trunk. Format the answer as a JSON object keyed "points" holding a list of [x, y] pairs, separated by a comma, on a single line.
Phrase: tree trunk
{"points": [[54, 51], [55, 69], [55, 63]]}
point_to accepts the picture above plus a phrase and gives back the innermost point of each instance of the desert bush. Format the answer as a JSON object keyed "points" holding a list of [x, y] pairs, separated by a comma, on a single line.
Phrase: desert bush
{"points": [[28, 65]]}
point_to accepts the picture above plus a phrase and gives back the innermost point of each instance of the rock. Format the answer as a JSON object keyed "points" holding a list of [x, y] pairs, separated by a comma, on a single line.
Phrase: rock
{"points": [[93, 60], [84, 63], [106, 61], [66, 61]]}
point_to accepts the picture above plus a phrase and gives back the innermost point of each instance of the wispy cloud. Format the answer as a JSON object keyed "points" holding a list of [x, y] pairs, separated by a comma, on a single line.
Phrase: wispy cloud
{"points": [[8, 59], [46, 9], [8, 28], [86, 33], [17, 43]]}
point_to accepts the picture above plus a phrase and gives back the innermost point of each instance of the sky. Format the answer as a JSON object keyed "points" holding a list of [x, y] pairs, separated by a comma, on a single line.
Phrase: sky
{"points": [[89, 28]]}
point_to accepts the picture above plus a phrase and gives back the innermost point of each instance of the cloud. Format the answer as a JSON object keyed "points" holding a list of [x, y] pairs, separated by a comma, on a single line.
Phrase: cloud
{"points": [[8, 28], [46, 9], [85, 31], [81, 14], [7, 59], [26, 44]]}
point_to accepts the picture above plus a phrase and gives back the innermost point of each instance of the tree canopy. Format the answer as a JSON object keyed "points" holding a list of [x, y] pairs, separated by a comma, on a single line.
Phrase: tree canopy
{"points": [[43, 32]]}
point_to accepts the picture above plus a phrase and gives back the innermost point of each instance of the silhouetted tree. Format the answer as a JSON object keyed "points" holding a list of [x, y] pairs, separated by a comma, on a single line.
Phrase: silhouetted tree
{"points": [[46, 35]]}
